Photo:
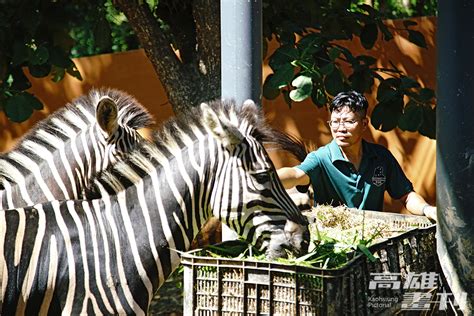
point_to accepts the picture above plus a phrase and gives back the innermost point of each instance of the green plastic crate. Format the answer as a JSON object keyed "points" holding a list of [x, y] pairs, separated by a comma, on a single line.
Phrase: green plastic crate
{"points": [[222, 286]]}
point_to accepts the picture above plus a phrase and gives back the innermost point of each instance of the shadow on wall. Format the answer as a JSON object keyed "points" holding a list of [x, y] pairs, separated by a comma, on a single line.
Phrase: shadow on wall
{"points": [[133, 73]]}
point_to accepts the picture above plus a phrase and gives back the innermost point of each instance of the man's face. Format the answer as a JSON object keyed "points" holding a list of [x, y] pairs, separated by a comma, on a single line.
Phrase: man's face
{"points": [[347, 126]]}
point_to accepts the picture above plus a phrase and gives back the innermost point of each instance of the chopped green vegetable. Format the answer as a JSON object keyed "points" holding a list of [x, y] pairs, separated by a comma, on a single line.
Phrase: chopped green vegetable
{"points": [[337, 235]]}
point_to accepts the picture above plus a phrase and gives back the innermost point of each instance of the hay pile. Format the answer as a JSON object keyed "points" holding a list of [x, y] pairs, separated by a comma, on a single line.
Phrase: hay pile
{"points": [[351, 225]]}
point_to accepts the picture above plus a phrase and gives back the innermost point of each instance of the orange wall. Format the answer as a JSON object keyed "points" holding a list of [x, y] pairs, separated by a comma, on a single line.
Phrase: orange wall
{"points": [[132, 72]]}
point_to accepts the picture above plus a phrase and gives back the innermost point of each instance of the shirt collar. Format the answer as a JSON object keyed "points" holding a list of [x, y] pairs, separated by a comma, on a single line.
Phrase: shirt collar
{"points": [[336, 153], [368, 151]]}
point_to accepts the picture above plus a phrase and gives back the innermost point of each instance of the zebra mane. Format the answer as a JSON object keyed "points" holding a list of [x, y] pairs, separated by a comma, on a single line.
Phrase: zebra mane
{"points": [[130, 113], [289, 143], [180, 129]]}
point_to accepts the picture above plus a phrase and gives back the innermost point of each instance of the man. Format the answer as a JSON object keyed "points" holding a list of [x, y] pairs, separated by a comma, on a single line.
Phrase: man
{"points": [[352, 171]]}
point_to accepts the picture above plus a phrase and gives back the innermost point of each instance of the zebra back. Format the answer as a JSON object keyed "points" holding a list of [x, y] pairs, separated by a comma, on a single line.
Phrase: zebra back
{"points": [[57, 158]]}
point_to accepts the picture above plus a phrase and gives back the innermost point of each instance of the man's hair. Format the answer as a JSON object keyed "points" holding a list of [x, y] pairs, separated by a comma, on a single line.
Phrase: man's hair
{"points": [[352, 99]]}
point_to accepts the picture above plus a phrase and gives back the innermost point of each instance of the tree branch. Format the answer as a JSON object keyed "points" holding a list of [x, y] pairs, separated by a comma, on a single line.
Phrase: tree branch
{"points": [[207, 18], [178, 80]]}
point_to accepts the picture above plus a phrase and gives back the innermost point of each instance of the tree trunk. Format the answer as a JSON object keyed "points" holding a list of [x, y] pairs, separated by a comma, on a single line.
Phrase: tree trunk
{"points": [[195, 77]]}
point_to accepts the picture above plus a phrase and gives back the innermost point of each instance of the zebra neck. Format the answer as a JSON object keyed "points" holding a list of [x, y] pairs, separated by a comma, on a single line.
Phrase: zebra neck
{"points": [[167, 207], [40, 170]]}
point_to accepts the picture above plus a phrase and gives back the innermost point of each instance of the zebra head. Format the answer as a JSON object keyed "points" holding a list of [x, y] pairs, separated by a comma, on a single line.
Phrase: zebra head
{"points": [[120, 137], [247, 194]]}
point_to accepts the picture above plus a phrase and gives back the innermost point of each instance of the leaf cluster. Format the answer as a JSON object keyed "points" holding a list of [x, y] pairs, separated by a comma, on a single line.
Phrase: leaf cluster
{"points": [[39, 37], [31, 39], [310, 60], [328, 252]]}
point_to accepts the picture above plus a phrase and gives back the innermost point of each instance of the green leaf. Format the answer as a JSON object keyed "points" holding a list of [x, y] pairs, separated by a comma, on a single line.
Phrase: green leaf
{"points": [[417, 38], [428, 127], [327, 69], [152, 4], [385, 92], [386, 115], [73, 71], [309, 44], [318, 96], [387, 35], [369, 9], [369, 34], [408, 23], [40, 56], [286, 97], [412, 117], [302, 82], [283, 56], [20, 81], [58, 73], [408, 83], [334, 53], [269, 92], [334, 82], [34, 102], [426, 94], [350, 58], [39, 71], [366, 252], [362, 80], [304, 87], [282, 77], [368, 60], [229, 248], [59, 58], [286, 35], [393, 82], [19, 107]]}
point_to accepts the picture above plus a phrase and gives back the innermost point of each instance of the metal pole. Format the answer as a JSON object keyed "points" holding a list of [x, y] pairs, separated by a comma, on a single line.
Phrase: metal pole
{"points": [[241, 50], [455, 148], [241, 56]]}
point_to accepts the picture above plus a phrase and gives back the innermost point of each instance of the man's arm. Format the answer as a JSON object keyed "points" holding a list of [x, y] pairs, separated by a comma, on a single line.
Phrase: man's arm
{"points": [[417, 205], [292, 176]]}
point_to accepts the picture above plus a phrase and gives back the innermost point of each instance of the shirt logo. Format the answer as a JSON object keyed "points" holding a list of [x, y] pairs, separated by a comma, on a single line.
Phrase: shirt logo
{"points": [[379, 177]]}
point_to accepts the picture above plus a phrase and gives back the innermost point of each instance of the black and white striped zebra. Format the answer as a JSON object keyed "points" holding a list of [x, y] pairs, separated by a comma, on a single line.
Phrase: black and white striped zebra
{"points": [[108, 255], [57, 158]]}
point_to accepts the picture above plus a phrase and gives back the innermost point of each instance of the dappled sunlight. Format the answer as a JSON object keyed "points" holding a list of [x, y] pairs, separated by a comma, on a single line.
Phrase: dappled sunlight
{"points": [[133, 73]]}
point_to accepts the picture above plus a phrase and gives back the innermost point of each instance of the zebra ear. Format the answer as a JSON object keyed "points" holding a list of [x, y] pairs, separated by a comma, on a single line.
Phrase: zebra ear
{"points": [[222, 129], [106, 114]]}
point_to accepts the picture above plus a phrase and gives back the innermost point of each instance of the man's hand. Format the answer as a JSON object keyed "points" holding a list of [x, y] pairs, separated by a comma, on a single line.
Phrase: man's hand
{"points": [[430, 212], [416, 205], [292, 176]]}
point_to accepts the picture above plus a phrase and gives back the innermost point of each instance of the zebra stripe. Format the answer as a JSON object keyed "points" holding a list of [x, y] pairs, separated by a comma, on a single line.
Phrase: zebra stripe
{"points": [[56, 159], [110, 253]]}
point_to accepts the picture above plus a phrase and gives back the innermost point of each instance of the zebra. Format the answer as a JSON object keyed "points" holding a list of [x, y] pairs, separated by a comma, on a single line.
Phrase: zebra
{"points": [[109, 254], [56, 159]]}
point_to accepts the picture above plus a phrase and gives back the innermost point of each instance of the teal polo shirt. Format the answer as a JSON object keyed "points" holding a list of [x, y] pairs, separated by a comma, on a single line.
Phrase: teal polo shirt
{"points": [[335, 180]]}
